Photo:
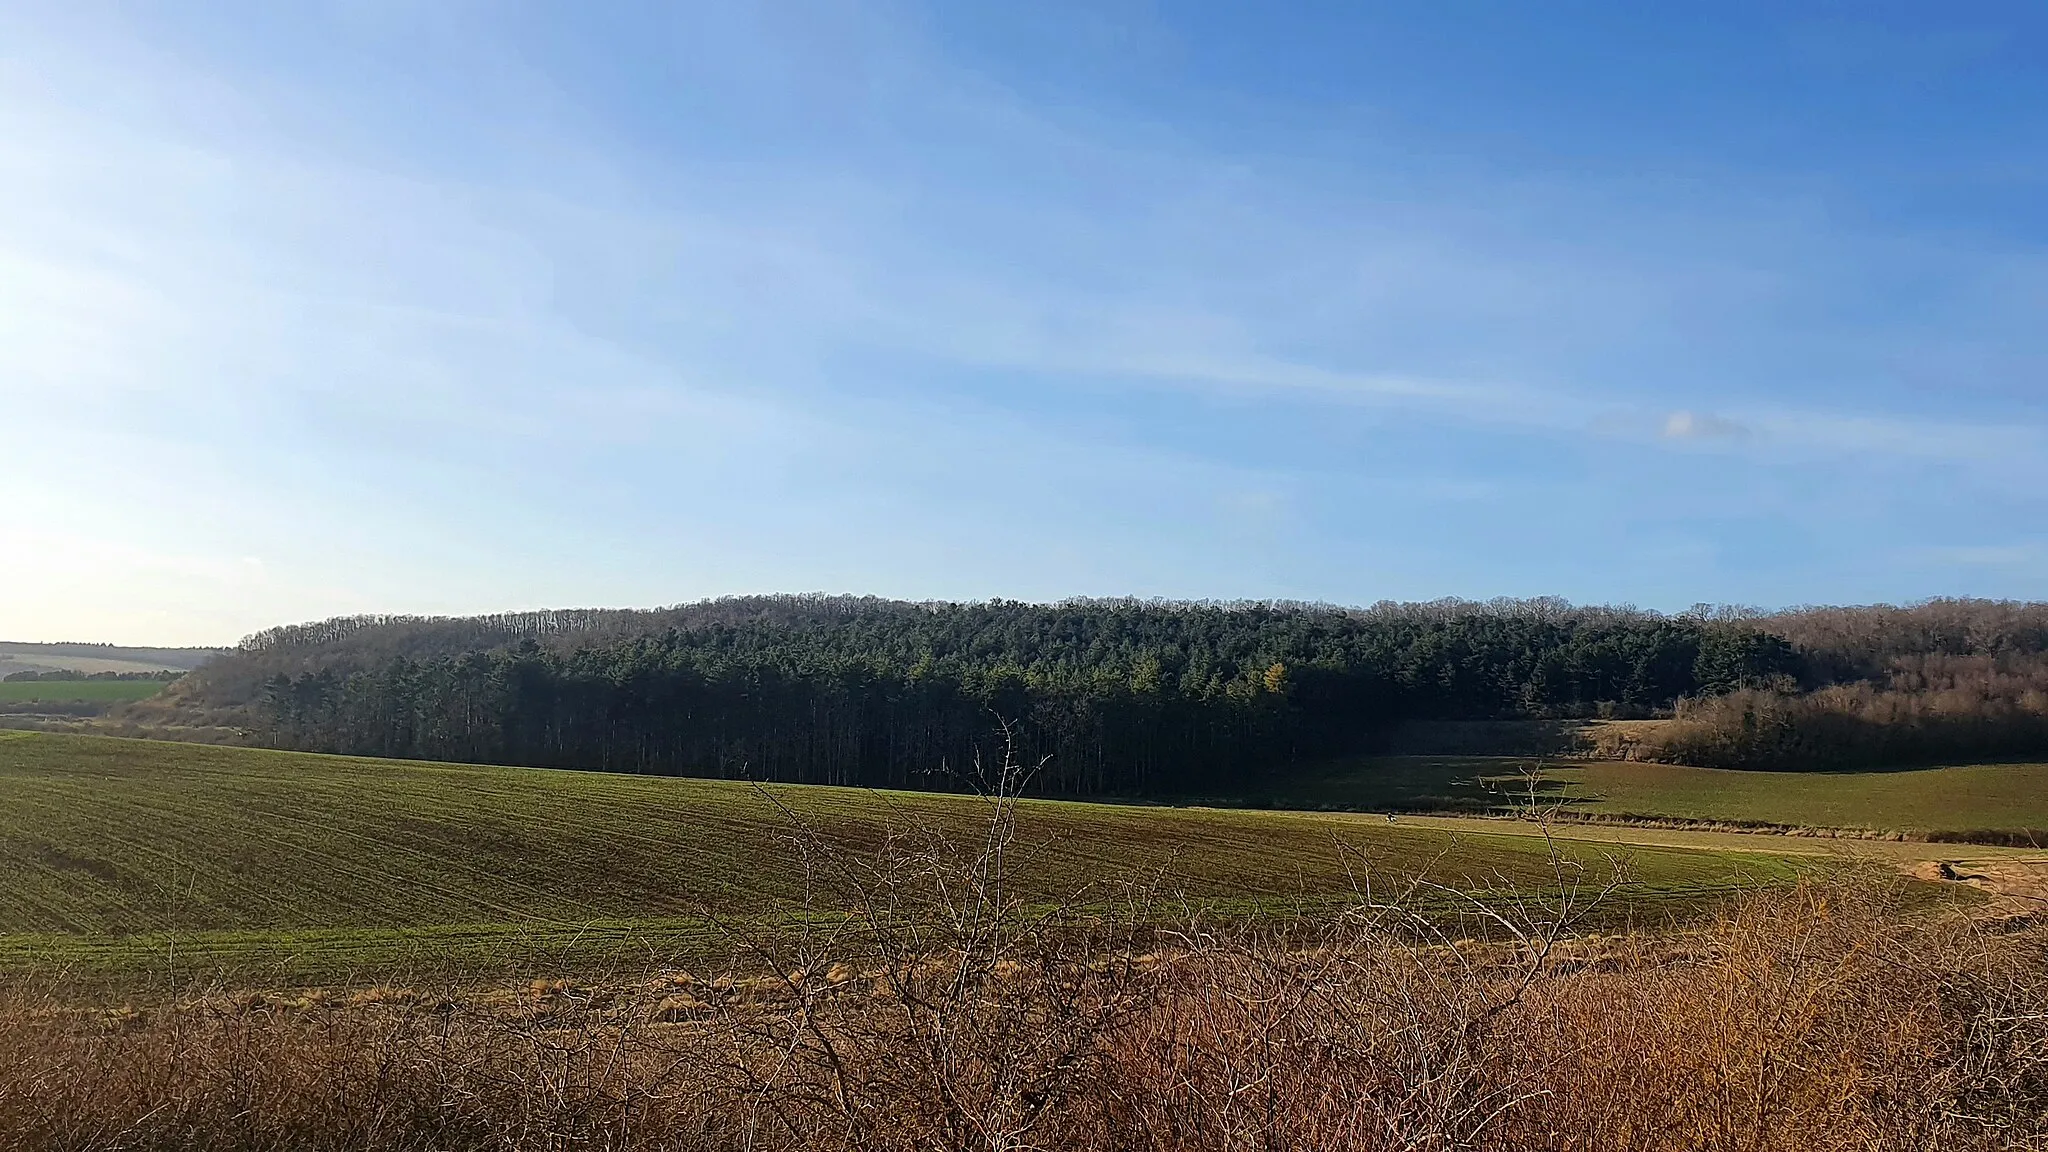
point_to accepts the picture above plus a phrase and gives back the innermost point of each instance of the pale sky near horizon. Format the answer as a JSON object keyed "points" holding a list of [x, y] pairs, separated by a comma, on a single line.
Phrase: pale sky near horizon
{"points": [[322, 308]]}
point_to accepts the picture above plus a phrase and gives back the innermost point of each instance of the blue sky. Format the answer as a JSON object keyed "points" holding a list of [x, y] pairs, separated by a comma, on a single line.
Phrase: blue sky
{"points": [[444, 307]]}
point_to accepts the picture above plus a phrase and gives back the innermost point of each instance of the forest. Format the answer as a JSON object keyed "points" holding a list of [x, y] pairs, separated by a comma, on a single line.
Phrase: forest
{"points": [[1120, 697], [1128, 697]]}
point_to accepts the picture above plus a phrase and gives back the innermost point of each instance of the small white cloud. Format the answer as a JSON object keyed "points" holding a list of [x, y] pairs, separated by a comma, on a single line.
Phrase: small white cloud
{"points": [[1683, 425]]}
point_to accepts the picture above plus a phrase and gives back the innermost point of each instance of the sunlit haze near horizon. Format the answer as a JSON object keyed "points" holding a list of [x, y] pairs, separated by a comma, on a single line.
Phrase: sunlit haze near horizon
{"points": [[314, 309]]}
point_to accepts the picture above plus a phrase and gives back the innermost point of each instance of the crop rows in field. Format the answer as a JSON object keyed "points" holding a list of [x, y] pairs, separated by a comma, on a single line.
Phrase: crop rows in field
{"points": [[102, 837], [1999, 802], [68, 691]]}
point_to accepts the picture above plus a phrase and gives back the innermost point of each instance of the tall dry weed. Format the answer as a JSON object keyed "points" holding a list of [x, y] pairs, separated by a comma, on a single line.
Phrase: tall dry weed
{"points": [[924, 1002]]}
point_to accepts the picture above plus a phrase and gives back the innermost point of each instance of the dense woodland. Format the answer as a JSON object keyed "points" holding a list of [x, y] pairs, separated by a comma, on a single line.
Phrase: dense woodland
{"points": [[1127, 697]]}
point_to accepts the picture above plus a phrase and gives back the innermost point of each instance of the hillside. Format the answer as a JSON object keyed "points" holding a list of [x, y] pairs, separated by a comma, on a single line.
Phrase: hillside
{"points": [[1981, 803], [68, 697], [258, 853], [1991, 803], [1123, 697], [88, 659], [1117, 697]]}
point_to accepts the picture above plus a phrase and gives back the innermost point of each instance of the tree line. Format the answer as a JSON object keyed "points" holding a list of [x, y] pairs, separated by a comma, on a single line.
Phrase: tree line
{"points": [[1927, 709], [1116, 697]]}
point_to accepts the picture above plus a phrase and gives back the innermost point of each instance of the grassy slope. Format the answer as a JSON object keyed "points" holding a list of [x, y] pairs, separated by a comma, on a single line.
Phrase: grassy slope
{"points": [[102, 837], [100, 657], [1960, 799], [63, 691], [2001, 798]]}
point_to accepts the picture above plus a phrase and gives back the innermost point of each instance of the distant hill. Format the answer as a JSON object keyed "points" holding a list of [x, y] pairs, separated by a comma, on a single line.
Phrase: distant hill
{"points": [[90, 658], [1124, 697], [1113, 697]]}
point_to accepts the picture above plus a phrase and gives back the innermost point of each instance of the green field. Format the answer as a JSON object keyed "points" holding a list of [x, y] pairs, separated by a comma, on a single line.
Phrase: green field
{"points": [[1991, 801], [68, 691], [114, 849], [1996, 799]]}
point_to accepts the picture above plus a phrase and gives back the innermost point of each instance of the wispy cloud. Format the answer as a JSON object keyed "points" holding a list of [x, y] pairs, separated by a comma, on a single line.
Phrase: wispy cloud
{"points": [[989, 341], [1687, 425]]}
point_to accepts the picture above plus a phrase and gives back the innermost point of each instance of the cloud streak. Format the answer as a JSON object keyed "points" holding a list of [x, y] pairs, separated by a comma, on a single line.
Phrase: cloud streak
{"points": [[1688, 425], [626, 365]]}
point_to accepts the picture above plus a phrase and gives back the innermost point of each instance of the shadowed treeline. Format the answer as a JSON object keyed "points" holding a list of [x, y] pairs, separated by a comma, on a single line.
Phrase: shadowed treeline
{"points": [[1121, 696]]}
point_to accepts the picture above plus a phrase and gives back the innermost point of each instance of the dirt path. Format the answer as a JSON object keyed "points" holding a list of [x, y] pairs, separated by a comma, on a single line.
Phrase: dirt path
{"points": [[2021, 881]]}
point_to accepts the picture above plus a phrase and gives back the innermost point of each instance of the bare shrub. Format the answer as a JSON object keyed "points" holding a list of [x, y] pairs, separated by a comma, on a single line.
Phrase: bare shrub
{"points": [[945, 1007], [1932, 708], [924, 1002]]}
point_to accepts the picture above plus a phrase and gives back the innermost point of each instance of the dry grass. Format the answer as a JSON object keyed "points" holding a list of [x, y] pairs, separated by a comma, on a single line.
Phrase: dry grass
{"points": [[1826, 1017], [946, 1007], [1820, 1019]]}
